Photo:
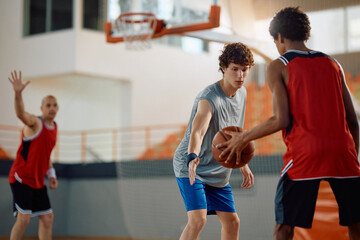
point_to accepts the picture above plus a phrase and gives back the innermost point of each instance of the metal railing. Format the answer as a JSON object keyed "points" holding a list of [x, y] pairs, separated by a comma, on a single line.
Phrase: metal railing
{"points": [[100, 145]]}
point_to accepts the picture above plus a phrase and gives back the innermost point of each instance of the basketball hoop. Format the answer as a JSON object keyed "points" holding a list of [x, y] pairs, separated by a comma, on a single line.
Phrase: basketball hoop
{"points": [[137, 29]]}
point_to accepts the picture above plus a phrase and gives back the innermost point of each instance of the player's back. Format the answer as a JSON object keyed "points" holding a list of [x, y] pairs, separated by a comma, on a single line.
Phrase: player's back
{"points": [[318, 138]]}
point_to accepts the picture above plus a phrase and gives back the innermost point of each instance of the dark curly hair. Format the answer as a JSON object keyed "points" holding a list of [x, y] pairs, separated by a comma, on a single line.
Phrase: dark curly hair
{"points": [[292, 23], [237, 53]]}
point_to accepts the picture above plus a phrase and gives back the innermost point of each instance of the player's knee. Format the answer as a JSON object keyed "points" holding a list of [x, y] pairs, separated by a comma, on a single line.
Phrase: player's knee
{"points": [[47, 220], [198, 222], [354, 231], [23, 219], [236, 223], [283, 232], [232, 224]]}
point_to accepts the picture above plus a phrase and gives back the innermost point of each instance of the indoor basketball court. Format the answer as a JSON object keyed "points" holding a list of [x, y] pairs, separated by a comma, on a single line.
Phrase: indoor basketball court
{"points": [[126, 73]]}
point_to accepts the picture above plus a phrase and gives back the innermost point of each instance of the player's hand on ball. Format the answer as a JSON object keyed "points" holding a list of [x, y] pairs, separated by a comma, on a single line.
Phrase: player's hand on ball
{"points": [[233, 147], [248, 177], [192, 170]]}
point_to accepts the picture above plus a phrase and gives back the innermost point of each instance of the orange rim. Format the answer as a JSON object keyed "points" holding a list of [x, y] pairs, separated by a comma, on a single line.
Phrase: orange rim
{"points": [[122, 17]]}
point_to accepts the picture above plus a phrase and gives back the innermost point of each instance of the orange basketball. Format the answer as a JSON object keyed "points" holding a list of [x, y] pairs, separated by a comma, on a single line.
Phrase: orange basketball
{"points": [[221, 137]]}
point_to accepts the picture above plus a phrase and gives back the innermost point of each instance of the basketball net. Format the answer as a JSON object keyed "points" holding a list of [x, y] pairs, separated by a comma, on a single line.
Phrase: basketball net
{"points": [[137, 29]]}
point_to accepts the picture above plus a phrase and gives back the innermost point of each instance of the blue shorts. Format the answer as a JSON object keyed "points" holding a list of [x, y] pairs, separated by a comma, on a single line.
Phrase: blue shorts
{"points": [[295, 201], [203, 196]]}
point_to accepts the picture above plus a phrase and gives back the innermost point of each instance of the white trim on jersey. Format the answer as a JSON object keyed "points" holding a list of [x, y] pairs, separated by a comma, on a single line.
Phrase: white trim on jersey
{"points": [[17, 178], [284, 60], [49, 127], [301, 52], [286, 168], [324, 177], [32, 137]]}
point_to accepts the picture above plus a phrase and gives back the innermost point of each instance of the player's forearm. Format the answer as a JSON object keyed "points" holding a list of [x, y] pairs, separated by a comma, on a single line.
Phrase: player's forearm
{"points": [[51, 165], [268, 127], [195, 142], [19, 106]]}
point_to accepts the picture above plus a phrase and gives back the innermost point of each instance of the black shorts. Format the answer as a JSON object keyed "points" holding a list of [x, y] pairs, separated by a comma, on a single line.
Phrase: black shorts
{"points": [[28, 200], [295, 201]]}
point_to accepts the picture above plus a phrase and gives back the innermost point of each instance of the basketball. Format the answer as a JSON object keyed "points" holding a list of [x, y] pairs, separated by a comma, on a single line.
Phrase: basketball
{"points": [[221, 137]]}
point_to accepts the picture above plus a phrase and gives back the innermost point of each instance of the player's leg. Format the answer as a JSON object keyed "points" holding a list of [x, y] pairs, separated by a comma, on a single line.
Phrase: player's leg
{"points": [[354, 231], [196, 222], [196, 207], [230, 225], [221, 202], [42, 209], [283, 232], [295, 203], [22, 202], [45, 226], [18, 230], [348, 199]]}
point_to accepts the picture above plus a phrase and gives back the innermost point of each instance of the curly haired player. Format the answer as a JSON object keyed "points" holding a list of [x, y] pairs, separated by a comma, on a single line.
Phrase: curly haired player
{"points": [[203, 182]]}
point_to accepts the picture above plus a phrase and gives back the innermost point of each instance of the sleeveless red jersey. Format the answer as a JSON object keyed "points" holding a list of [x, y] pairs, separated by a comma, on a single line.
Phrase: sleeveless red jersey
{"points": [[318, 139], [32, 159]]}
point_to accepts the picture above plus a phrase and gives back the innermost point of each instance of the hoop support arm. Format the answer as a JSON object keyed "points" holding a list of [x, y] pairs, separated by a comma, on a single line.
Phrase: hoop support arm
{"points": [[214, 21]]}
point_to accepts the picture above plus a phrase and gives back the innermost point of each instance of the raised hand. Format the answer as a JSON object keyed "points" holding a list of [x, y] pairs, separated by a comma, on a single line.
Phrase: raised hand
{"points": [[15, 80]]}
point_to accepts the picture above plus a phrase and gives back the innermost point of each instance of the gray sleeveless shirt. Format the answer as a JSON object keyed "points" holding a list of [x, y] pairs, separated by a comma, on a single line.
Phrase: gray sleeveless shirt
{"points": [[226, 112]]}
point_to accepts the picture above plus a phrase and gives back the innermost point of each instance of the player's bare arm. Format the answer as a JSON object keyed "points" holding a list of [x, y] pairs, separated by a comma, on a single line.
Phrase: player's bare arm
{"points": [[30, 120], [53, 183], [200, 125], [351, 118], [248, 177], [276, 79]]}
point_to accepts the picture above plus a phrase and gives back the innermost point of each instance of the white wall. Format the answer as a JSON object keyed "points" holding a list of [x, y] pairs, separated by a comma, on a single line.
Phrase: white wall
{"points": [[38, 55], [163, 80], [81, 100]]}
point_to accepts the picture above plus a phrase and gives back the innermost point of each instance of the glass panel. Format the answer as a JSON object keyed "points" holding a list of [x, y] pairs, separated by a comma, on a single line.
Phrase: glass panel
{"points": [[61, 14], [193, 45], [327, 25], [114, 10], [91, 15], [353, 28], [35, 10]]}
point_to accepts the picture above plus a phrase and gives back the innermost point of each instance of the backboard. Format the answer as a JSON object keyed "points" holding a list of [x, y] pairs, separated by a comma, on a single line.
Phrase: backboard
{"points": [[172, 17]]}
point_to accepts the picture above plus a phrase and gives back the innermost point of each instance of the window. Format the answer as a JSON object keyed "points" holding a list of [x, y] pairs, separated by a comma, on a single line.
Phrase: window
{"points": [[42, 16], [325, 25], [61, 14], [187, 44], [353, 19], [35, 16], [94, 12], [333, 31]]}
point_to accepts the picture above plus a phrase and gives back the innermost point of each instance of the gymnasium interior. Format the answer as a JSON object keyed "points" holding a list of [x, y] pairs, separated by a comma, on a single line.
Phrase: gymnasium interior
{"points": [[124, 109]]}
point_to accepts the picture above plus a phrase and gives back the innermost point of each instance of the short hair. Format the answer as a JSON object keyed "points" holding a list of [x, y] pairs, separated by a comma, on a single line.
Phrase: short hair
{"points": [[292, 23], [46, 97], [237, 53]]}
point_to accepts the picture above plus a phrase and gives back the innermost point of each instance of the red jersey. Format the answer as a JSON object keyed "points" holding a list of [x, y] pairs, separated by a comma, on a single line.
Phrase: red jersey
{"points": [[318, 139], [33, 156]]}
